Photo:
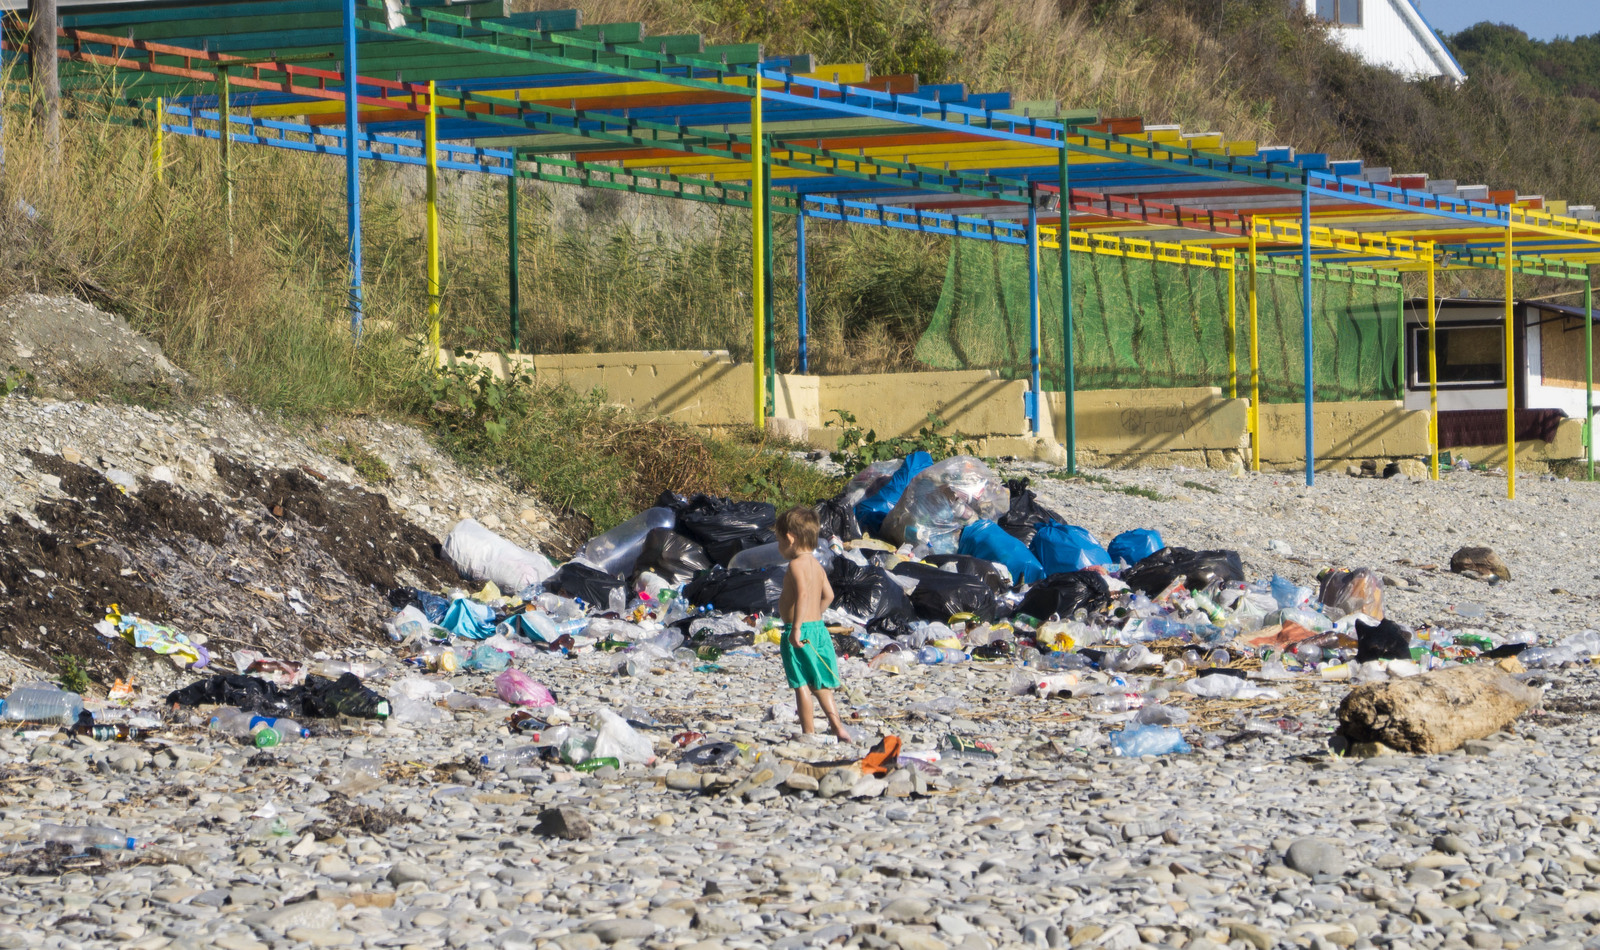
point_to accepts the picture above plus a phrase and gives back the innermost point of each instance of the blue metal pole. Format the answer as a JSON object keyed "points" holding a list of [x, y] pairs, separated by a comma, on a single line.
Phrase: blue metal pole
{"points": [[1036, 412], [800, 272], [352, 169], [1305, 329]]}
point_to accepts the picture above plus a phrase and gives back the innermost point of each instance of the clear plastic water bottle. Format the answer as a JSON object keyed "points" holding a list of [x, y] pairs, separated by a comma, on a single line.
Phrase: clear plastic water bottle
{"points": [[86, 837], [40, 702], [1116, 703], [933, 656], [511, 758], [1135, 741]]}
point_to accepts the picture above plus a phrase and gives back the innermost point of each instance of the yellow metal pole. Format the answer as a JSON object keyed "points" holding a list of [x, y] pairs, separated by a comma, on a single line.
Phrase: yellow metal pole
{"points": [[758, 262], [430, 144], [157, 152], [1433, 368], [1233, 327], [1255, 363], [1511, 377]]}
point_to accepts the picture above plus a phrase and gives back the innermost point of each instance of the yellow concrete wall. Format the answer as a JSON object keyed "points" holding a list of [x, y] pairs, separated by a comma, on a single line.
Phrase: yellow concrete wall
{"points": [[974, 402], [1533, 456], [1149, 422], [1344, 430]]}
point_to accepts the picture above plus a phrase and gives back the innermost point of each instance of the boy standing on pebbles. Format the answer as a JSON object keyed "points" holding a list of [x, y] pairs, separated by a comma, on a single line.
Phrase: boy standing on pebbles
{"points": [[807, 647]]}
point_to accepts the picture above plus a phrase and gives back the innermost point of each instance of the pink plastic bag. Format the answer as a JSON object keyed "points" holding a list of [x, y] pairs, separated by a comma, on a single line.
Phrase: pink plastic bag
{"points": [[520, 689]]}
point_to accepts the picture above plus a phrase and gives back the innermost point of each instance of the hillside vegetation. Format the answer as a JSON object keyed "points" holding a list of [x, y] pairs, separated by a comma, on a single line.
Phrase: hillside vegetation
{"points": [[256, 308]]}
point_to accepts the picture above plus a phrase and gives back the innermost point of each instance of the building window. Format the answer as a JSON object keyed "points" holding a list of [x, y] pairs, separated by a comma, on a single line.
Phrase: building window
{"points": [[1342, 12], [1469, 356]]}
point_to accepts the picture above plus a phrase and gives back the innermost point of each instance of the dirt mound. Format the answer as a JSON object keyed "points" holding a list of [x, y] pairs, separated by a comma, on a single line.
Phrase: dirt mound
{"points": [[73, 348], [359, 529], [290, 566]]}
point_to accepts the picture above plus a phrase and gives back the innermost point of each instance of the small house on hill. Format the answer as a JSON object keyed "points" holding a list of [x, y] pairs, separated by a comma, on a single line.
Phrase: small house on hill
{"points": [[1388, 33]]}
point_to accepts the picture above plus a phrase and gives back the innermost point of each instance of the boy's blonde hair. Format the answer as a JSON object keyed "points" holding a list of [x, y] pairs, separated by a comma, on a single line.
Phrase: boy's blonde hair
{"points": [[801, 524]]}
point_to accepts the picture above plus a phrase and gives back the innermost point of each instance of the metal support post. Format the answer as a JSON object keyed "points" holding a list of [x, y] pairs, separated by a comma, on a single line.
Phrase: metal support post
{"points": [[1306, 346], [1069, 384], [1511, 372], [802, 317], [352, 167], [758, 335], [1255, 361], [1036, 413], [430, 145]]}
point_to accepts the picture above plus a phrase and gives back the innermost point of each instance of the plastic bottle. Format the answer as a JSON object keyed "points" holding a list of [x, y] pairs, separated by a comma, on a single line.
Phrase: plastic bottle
{"points": [[86, 836], [512, 758], [933, 656], [1116, 703], [110, 731], [597, 763], [1064, 661], [1053, 683], [40, 702], [1161, 715]]}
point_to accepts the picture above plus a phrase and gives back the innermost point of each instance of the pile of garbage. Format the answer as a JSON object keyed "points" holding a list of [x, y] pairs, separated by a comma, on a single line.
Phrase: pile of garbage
{"points": [[932, 564]]}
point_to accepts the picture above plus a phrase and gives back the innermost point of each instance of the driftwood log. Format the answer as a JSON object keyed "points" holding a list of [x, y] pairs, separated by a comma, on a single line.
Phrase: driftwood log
{"points": [[1437, 711]]}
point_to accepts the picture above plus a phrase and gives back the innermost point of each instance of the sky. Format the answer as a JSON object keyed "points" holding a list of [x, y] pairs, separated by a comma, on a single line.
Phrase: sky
{"points": [[1540, 19]]}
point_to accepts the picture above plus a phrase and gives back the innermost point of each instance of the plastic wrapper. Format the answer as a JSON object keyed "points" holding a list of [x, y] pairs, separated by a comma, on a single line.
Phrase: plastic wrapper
{"points": [[1197, 569], [476, 552], [672, 556], [1066, 547], [486, 659], [868, 594], [941, 500], [741, 592], [988, 571], [725, 527], [875, 505], [1024, 513], [591, 585], [1227, 687], [1131, 547], [617, 740], [162, 640], [987, 540], [1063, 595], [1353, 592], [520, 689], [838, 520], [1135, 741], [617, 550], [940, 594], [284, 673]]}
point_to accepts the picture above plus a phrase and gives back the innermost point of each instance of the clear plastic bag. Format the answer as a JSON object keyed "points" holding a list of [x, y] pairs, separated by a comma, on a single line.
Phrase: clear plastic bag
{"points": [[1353, 592], [476, 552], [618, 740], [617, 550], [941, 500]]}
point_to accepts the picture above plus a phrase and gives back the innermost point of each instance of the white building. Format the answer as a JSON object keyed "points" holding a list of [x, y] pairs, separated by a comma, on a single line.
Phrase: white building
{"points": [[1388, 33]]}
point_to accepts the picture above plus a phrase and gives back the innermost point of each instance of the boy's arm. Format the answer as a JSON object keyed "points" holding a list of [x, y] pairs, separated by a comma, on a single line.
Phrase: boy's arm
{"points": [[804, 589], [827, 590]]}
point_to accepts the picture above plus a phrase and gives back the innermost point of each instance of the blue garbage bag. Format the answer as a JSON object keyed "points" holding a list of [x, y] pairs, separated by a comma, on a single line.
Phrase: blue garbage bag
{"points": [[1067, 547], [991, 542], [469, 619], [871, 510], [1131, 547]]}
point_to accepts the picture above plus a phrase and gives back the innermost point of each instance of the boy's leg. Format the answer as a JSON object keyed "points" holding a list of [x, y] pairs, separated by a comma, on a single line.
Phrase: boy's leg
{"points": [[802, 703], [825, 697]]}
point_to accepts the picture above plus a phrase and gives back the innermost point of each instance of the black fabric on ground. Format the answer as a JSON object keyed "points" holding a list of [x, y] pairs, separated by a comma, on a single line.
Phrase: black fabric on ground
{"points": [[1381, 641]]}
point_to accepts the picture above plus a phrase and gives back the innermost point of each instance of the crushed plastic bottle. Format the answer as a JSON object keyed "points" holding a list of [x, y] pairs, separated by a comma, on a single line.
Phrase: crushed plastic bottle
{"points": [[1116, 703]]}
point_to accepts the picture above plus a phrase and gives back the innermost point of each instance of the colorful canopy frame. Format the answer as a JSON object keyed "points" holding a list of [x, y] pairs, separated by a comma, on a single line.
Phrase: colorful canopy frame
{"points": [[473, 86]]}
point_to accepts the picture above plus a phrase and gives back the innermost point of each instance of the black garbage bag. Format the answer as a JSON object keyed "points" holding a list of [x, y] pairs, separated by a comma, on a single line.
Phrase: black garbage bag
{"points": [[236, 689], [1197, 569], [673, 500], [975, 566], [867, 592], [727, 527], [316, 698], [1503, 650], [1025, 515], [838, 520], [738, 592], [1385, 640], [671, 556], [588, 584], [1062, 595], [941, 594]]}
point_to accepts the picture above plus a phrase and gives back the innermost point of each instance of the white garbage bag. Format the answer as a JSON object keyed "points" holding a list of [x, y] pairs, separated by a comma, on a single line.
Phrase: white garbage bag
{"points": [[482, 555]]}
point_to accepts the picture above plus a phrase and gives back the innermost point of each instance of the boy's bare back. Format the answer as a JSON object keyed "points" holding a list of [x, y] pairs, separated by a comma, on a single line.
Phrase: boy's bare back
{"points": [[806, 591]]}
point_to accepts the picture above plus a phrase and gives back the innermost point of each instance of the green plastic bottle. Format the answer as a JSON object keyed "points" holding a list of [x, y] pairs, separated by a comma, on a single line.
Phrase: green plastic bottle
{"points": [[594, 765]]}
